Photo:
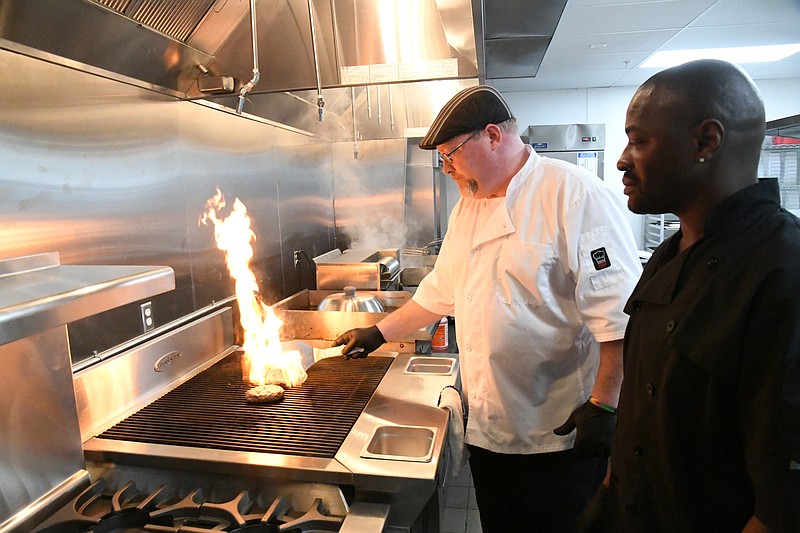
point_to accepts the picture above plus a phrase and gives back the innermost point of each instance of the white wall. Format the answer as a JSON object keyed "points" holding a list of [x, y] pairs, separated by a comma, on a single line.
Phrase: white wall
{"points": [[608, 106]]}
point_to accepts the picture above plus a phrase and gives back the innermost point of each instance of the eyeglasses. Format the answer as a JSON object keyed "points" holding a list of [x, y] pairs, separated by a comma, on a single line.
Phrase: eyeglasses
{"points": [[447, 157]]}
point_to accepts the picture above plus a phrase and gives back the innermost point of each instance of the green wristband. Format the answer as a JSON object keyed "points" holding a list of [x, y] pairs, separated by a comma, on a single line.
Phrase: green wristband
{"points": [[601, 405]]}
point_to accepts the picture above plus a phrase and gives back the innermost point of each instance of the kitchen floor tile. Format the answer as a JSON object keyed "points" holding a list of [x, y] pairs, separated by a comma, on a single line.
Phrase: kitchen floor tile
{"points": [[457, 497], [473, 522], [464, 478], [458, 510], [454, 520], [471, 501]]}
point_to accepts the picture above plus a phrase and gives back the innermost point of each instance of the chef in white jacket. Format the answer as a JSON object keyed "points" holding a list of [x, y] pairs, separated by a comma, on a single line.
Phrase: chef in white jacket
{"points": [[536, 266]]}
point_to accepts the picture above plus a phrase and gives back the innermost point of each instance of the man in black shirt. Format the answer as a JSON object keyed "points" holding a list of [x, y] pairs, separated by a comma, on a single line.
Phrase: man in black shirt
{"points": [[708, 432]]}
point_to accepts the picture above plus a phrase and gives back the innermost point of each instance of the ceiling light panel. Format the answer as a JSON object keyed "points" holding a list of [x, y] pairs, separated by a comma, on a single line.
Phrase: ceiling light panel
{"points": [[740, 55]]}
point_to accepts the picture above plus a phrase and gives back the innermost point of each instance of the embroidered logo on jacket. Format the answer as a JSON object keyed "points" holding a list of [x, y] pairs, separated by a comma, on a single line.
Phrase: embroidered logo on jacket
{"points": [[600, 259]]}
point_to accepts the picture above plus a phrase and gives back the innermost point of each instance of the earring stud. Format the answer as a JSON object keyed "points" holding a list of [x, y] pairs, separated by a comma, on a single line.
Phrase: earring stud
{"points": [[701, 160]]}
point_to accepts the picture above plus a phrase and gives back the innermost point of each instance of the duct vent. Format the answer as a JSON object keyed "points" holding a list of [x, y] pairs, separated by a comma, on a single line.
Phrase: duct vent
{"points": [[117, 5], [174, 18], [514, 44]]}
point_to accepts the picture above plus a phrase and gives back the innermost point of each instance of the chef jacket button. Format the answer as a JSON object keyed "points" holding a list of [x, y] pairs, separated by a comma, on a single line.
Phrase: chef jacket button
{"points": [[670, 325], [469, 298], [638, 451], [711, 263], [637, 305], [651, 390]]}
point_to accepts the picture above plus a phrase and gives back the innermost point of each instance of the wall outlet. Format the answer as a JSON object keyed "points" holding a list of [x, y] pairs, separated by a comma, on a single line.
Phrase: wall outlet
{"points": [[148, 322]]}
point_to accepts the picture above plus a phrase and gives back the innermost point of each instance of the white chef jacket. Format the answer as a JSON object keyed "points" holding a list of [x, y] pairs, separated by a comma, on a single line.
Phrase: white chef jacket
{"points": [[534, 280]]}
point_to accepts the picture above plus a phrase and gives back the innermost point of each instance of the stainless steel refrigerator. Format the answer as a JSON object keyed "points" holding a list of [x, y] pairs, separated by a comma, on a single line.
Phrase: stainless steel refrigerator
{"points": [[581, 144]]}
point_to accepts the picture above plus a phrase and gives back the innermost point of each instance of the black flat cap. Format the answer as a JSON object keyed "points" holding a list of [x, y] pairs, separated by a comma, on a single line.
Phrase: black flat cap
{"points": [[469, 110]]}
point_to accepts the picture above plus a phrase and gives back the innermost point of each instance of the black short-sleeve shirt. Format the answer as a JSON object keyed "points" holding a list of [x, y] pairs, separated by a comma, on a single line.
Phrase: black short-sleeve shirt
{"points": [[709, 417]]}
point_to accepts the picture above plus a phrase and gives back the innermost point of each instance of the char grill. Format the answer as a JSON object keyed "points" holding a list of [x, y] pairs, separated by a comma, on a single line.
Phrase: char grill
{"points": [[191, 455], [209, 410]]}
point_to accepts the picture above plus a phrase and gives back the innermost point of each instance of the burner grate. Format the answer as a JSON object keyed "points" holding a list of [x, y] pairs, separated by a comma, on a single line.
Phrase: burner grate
{"points": [[127, 510], [209, 410]]}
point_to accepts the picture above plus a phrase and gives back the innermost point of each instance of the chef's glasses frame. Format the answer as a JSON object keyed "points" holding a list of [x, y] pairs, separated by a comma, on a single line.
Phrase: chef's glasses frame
{"points": [[446, 157]]}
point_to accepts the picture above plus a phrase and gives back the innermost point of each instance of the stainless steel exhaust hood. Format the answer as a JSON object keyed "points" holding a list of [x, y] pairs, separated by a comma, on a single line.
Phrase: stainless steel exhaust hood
{"points": [[204, 49], [171, 43], [359, 42]]}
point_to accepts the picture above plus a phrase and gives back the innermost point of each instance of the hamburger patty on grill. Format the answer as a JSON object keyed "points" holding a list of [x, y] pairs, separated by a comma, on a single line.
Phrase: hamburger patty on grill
{"points": [[264, 394]]}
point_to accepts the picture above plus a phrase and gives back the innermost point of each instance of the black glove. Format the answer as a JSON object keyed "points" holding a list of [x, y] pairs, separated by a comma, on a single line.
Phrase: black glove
{"points": [[595, 428], [363, 340]]}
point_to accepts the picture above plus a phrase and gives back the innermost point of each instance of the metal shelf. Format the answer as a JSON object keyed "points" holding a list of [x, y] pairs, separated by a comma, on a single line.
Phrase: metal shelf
{"points": [[37, 292], [781, 161], [658, 228]]}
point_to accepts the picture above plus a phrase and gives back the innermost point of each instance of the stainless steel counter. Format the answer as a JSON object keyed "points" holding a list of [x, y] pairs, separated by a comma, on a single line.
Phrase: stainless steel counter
{"points": [[403, 400]]}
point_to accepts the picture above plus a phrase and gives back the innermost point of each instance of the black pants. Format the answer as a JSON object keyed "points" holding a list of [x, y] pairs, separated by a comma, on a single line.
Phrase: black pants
{"points": [[532, 493]]}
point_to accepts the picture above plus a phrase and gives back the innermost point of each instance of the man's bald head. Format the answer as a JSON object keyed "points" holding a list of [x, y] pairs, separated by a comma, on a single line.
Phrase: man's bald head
{"points": [[711, 89]]}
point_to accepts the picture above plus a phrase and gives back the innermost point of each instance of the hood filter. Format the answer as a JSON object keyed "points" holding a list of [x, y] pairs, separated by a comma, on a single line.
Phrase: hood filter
{"points": [[174, 18]]}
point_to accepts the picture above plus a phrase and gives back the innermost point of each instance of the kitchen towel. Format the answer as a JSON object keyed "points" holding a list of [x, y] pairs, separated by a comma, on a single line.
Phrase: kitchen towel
{"points": [[450, 399]]}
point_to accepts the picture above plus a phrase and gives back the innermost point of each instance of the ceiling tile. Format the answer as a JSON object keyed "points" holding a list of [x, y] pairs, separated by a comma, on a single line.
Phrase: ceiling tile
{"points": [[594, 62], [640, 41], [728, 12], [560, 80], [736, 35], [614, 18], [782, 69]]}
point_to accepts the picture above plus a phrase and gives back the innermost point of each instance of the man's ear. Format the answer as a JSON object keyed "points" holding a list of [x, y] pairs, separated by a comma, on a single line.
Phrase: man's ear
{"points": [[495, 134], [709, 135]]}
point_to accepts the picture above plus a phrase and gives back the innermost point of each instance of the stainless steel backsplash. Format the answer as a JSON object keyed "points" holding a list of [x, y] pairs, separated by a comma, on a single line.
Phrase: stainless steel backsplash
{"points": [[105, 172]]}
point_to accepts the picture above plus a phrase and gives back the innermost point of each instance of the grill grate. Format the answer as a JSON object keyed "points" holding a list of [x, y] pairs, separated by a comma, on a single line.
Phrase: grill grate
{"points": [[209, 410]]}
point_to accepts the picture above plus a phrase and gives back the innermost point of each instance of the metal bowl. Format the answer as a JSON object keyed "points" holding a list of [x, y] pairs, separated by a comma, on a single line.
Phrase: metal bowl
{"points": [[350, 301]]}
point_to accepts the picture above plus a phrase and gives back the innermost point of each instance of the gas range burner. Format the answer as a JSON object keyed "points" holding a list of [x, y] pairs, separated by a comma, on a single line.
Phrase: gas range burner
{"points": [[126, 510]]}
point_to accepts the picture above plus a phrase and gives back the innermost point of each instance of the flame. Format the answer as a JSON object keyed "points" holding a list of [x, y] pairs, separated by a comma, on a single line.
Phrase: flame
{"points": [[263, 354]]}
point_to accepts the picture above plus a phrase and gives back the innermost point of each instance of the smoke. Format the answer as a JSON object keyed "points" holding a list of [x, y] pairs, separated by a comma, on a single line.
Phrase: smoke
{"points": [[370, 194], [379, 234]]}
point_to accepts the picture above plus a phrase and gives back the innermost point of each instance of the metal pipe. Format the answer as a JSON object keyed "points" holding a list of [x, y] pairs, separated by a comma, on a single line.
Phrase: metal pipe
{"points": [[307, 102], [320, 100], [256, 74], [391, 108], [355, 127], [378, 98]]}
